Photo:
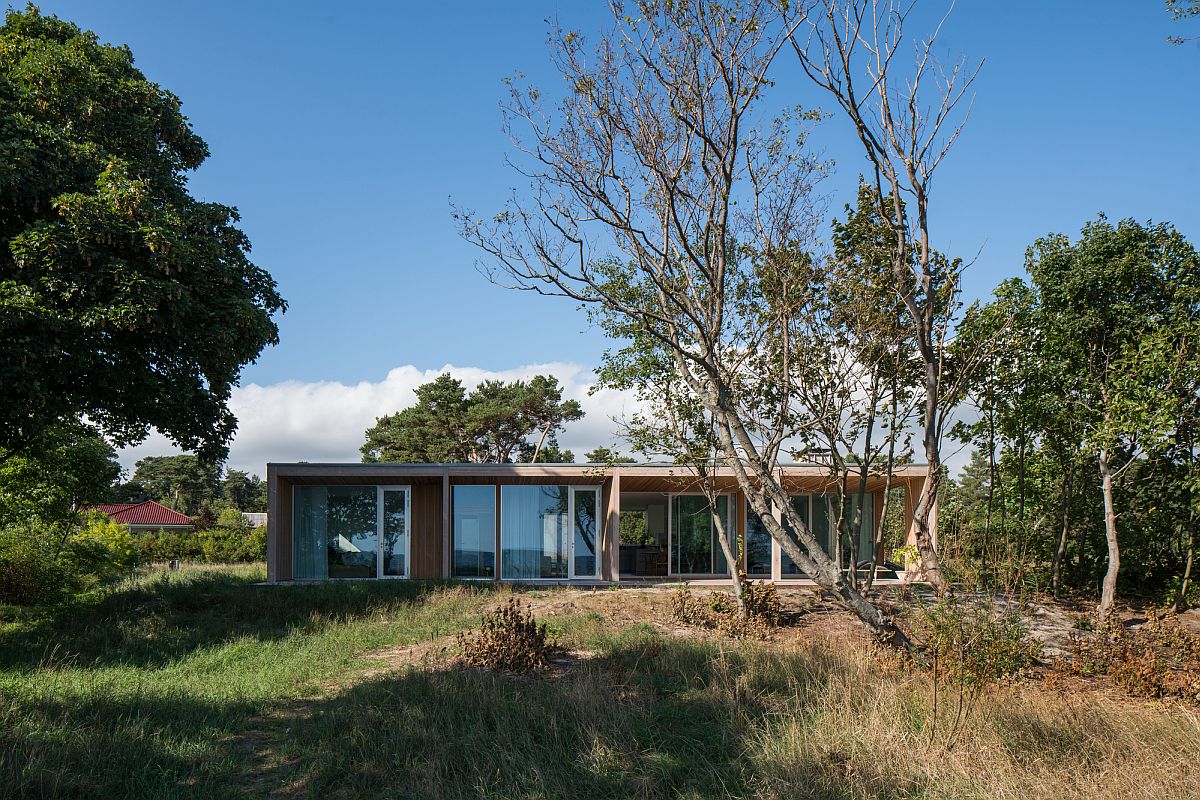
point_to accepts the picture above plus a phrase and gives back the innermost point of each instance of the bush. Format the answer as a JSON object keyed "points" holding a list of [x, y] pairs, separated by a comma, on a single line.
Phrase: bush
{"points": [[220, 544], [763, 611], [29, 573], [103, 551], [973, 644], [509, 639], [1159, 659], [167, 546]]}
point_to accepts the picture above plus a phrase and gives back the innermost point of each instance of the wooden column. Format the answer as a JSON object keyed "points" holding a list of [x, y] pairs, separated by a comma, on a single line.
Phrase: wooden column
{"points": [[612, 542], [446, 524], [776, 551], [272, 524]]}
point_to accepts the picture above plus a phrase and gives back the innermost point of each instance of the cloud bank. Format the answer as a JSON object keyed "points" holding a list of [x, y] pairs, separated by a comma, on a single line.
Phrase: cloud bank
{"points": [[325, 420]]}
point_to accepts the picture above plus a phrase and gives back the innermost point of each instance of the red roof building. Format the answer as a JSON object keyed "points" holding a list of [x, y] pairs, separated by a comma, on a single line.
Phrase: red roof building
{"points": [[147, 514]]}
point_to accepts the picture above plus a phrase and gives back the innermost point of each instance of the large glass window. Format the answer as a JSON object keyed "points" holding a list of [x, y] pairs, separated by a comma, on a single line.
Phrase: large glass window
{"points": [[695, 549], [800, 504], [533, 531], [395, 531], [825, 508], [335, 532], [474, 531], [758, 545], [587, 532]]}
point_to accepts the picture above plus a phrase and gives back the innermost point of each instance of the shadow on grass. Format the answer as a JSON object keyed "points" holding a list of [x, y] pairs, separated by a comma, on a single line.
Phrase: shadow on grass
{"points": [[653, 716], [161, 619]]}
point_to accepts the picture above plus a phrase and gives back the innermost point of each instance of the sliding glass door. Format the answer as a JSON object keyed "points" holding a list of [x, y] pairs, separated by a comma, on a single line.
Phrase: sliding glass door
{"points": [[549, 532], [393, 523], [350, 532], [695, 547], [585, 522]]}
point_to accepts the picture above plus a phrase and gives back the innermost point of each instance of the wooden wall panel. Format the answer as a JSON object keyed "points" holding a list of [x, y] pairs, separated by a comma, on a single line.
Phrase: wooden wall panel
{"points": [[425, 549], [283, 544]]}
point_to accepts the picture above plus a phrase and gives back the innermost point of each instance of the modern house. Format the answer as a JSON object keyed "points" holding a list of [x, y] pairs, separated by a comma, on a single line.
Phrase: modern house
{"points": [[584, 523], [146, 517]]}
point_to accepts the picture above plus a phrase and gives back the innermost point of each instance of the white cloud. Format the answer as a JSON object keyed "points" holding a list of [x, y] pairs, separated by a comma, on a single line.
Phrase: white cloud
{"points": [[324, 421]]}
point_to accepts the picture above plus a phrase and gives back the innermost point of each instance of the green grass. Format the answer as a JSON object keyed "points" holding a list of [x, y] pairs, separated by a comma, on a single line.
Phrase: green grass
{"points": [[202, 684]]}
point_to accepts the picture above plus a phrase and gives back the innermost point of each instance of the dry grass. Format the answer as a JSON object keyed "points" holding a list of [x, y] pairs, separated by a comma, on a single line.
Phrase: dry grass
{"points": [[202, 687]]}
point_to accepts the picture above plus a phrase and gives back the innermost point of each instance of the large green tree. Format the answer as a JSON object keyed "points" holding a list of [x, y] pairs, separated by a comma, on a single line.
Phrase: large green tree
{"points": [[496, 422], [72, 465], [182, 482], [123, 298], [1089, 411]]}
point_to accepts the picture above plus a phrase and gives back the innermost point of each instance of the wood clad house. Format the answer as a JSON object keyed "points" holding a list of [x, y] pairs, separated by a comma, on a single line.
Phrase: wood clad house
{"points": [[583, 523]]}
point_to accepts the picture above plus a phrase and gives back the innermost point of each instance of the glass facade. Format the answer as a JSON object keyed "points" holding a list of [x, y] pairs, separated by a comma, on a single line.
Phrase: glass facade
{"points": [[474, 531], [395, 532], [533, 531], [695, 549], [824, 518], [758, 545], [335, 532], [586, 546]]}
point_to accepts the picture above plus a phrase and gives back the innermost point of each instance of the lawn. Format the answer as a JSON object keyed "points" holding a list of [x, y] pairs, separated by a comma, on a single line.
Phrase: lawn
{"points": [[202, 684]]}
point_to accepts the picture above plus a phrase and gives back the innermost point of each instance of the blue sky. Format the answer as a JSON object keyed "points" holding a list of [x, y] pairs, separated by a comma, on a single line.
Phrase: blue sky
{"points": [[342, 132]]}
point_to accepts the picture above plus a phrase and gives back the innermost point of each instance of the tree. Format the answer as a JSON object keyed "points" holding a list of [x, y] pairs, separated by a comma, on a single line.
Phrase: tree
{"points": [[123, 298], [246, 492], [496, 422], [71, 466], [657, 202], [606, 455], [850, 49], [1180, 10], [1122, 308], [184, 482]]}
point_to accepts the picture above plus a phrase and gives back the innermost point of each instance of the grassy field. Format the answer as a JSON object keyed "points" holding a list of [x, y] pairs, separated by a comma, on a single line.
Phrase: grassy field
{"points": [[201, 684]]}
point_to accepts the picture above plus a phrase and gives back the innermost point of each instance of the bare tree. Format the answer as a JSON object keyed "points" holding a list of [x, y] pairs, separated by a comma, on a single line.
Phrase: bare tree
{"points": [[907, 124], [656, 199]]}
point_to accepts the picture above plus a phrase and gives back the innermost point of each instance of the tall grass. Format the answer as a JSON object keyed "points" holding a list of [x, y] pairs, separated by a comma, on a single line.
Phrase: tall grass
{"points": [[204, 685]]}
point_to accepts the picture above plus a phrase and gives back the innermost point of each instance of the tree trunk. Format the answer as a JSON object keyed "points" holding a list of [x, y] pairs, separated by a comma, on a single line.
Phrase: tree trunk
{"points": [[731, 559], [1064, 534], [761, 490], [1108, 591], [541, 440], [1181, 602]]}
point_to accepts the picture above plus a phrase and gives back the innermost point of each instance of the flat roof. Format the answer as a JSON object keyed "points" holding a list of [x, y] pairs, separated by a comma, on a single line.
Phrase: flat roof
{"points": [[570, 468]]}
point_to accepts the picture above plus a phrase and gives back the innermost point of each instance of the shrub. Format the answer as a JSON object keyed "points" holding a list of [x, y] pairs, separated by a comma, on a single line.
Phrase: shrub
{"points": [[763, 611], [973, 643], [29, 572], [509, 639], [102, 551], [1159, 659], [167, 546]]}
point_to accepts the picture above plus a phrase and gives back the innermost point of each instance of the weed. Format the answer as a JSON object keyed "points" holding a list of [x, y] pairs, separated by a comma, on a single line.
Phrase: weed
{"points": [[1158, 660], [508, 639]]}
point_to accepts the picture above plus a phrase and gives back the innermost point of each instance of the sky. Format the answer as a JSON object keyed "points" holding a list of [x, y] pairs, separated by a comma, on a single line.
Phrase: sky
{"points": [[343, 133]]}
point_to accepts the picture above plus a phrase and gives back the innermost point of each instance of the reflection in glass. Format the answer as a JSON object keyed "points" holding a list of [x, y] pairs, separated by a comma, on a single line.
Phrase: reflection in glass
{"points": [[474, 531], [800, 504], [824, 520], [395, 532], [334, 532], [758, 545], [694, 546], [587, 502], [533, 531]]}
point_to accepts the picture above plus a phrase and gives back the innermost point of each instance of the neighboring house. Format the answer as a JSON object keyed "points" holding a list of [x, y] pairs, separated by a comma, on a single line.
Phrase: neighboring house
{"points": [[255, 519], [146, 517], [541, 522]]}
